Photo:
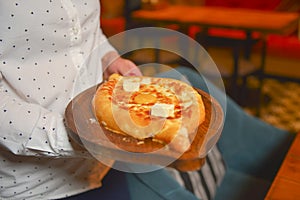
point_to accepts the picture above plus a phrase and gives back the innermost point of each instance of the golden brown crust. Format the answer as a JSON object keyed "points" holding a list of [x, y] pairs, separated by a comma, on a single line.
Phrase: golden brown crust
{"points": [[130, 112]]}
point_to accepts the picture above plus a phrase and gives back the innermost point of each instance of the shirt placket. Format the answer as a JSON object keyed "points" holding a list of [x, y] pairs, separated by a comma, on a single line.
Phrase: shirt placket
{"points": [[75, 41]]}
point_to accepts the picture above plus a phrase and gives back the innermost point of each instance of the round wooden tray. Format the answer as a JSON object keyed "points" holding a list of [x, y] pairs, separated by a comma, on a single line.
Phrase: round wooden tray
{"points": [[85, 130]]}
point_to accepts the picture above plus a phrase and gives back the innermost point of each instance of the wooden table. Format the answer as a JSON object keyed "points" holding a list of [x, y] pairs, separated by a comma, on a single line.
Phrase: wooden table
{"points": [[248, 20], [287, 181], [232, 18]]}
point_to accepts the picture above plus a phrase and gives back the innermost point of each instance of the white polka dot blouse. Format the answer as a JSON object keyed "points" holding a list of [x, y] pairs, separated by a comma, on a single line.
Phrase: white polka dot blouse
{"points": [[49, 51]]}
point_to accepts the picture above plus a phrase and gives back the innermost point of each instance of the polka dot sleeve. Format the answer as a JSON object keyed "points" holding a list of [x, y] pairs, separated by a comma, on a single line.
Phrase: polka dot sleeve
{"points": [[29, 129], [44, 47]]}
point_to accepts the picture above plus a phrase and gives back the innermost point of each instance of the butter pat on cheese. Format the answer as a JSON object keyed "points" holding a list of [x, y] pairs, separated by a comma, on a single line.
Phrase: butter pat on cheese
{"points": [[131, 86], [146, 81], [162, 110]]}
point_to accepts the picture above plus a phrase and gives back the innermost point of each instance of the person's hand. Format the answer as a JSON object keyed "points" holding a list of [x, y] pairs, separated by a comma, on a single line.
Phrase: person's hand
{"points": [[113, 63]]}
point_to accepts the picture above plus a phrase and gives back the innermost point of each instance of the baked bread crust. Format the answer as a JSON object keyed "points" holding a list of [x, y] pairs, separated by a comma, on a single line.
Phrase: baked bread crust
{"points": [[167, 110]]}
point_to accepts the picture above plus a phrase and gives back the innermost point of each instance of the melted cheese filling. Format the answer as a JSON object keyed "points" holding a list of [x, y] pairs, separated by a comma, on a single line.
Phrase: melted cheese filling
{"points": [[145, 99]]}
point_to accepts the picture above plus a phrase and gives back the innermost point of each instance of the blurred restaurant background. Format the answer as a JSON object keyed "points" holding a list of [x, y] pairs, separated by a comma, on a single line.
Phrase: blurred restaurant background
{"points": [[272, 95]]}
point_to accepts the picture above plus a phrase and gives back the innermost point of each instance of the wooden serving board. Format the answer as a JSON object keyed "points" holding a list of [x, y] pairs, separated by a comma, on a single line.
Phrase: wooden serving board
{"points": [[84, 129]]}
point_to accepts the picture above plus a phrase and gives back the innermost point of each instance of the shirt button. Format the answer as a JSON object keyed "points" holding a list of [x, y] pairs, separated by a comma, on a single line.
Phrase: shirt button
{"points": [[75, 30], [82, 70]]}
